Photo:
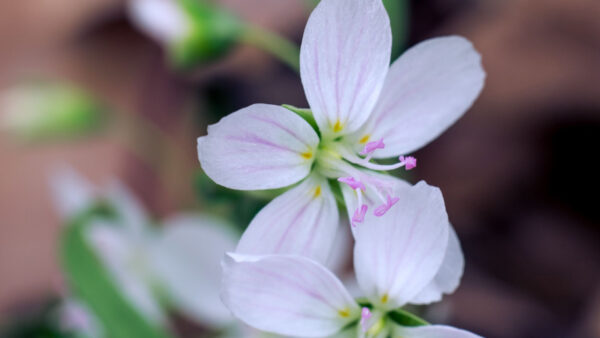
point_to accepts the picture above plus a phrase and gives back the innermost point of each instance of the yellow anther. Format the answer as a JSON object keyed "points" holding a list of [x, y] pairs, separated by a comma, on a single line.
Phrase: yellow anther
{"points": [[307, 155], [345, 313], [317, 191], [364, 139], [337, 127], [385, 298]]}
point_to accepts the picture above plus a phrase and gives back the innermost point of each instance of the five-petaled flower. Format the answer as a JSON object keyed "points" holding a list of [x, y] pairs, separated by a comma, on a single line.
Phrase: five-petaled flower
{"points": [[364, 110], [411, 256]]}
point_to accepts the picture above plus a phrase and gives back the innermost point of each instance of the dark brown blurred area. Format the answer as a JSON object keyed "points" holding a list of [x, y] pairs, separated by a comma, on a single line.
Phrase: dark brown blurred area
{"points": [[519, 171]]}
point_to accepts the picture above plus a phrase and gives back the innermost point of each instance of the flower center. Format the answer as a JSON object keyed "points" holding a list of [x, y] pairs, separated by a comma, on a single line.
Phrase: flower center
{"points": [[333, 161]]}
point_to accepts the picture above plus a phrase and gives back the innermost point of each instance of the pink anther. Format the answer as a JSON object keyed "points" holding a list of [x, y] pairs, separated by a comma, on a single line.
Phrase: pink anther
{"points": [[382, 209], [408, 161], [365, 315], [372, 146], [352, 182], [359, 214]]}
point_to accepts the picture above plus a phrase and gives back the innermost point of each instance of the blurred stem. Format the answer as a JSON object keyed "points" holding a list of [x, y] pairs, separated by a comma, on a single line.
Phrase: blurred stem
{"points": [[280, 47]]}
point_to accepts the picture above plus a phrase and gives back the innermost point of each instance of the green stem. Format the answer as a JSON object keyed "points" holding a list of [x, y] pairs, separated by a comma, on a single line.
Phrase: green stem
{"points": [[278, 46]]}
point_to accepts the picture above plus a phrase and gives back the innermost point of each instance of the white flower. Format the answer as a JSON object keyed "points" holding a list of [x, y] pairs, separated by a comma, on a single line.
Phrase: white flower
{"points": [[180, 259], [406, 260], [75, 317], [163, 20], [364, 110]]}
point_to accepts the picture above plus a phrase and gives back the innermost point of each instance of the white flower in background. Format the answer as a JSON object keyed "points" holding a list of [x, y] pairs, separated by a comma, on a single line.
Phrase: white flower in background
{"points": [[407, 257], [75, 317], [364, 110], [179, 260], [163, 20]]}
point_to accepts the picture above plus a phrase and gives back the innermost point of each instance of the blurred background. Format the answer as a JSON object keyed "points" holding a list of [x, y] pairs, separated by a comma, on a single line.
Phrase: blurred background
{"points": [[519, 171]]}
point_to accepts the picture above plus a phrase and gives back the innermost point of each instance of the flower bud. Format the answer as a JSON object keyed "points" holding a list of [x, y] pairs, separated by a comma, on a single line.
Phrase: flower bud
{"points": [[48, 110], [192, 31]]}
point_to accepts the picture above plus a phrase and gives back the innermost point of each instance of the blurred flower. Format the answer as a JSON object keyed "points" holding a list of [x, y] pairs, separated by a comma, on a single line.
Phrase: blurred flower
{"points": [[193, 31], [48, 110], [361, 109], [177, 263], [77, 319], [398, 259]]}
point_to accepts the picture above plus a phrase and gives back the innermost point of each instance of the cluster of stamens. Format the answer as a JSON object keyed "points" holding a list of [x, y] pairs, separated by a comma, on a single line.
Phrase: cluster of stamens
{"points": [[381, 189]]}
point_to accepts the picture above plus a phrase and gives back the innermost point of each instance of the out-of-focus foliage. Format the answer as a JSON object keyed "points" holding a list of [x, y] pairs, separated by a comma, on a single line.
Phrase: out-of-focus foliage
{"points": [[91, 283], [49, 110], [398, 10]]}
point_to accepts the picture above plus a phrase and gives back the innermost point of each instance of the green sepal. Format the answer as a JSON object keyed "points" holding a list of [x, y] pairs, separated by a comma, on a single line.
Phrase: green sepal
{"points": [[212, 33], [90, 282], [306, 114], [405, 318]]}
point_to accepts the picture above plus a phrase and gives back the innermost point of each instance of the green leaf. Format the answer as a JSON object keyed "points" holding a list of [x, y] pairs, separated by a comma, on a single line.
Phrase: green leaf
{"points": [[92, 284], [398, 10], [405, 318]]}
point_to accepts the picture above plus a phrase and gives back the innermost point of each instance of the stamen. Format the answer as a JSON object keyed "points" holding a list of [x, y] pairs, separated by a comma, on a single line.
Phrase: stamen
{"points": [[409, 162], [359, 187], [365, 315], [352, 182], [359, 214], [382, 209], [371, 147]]}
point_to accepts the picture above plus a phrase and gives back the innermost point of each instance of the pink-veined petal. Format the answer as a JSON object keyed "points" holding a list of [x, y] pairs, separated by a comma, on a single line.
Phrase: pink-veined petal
{"points": [[426, 90], [448, 277], [398, 254], [187, 258], [287, 295], [302, 221], [258, 147], [344, 57], [433, 331]]}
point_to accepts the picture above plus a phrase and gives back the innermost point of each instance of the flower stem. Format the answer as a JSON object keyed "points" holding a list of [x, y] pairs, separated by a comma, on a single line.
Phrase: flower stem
{"points": [[280, 47]]}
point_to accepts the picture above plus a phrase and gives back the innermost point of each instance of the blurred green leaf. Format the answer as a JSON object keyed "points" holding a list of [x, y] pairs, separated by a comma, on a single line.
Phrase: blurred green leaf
{"points": [[91, 283], [398, 10]]}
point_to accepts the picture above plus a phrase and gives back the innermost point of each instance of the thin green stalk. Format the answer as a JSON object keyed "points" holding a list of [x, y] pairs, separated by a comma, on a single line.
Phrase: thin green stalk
{"points": [[280, 47]]}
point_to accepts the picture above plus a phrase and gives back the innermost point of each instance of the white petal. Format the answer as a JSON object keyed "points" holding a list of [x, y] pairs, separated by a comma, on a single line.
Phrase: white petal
{"points": [[75, 316], [129, 208], [125, 257], [163, 20], [427, 89], [72, 193], [258, 147], [302, 221], [186, 258], [344, 58], [448, 277], [398, 254], [288, 295], [433, 331]]}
